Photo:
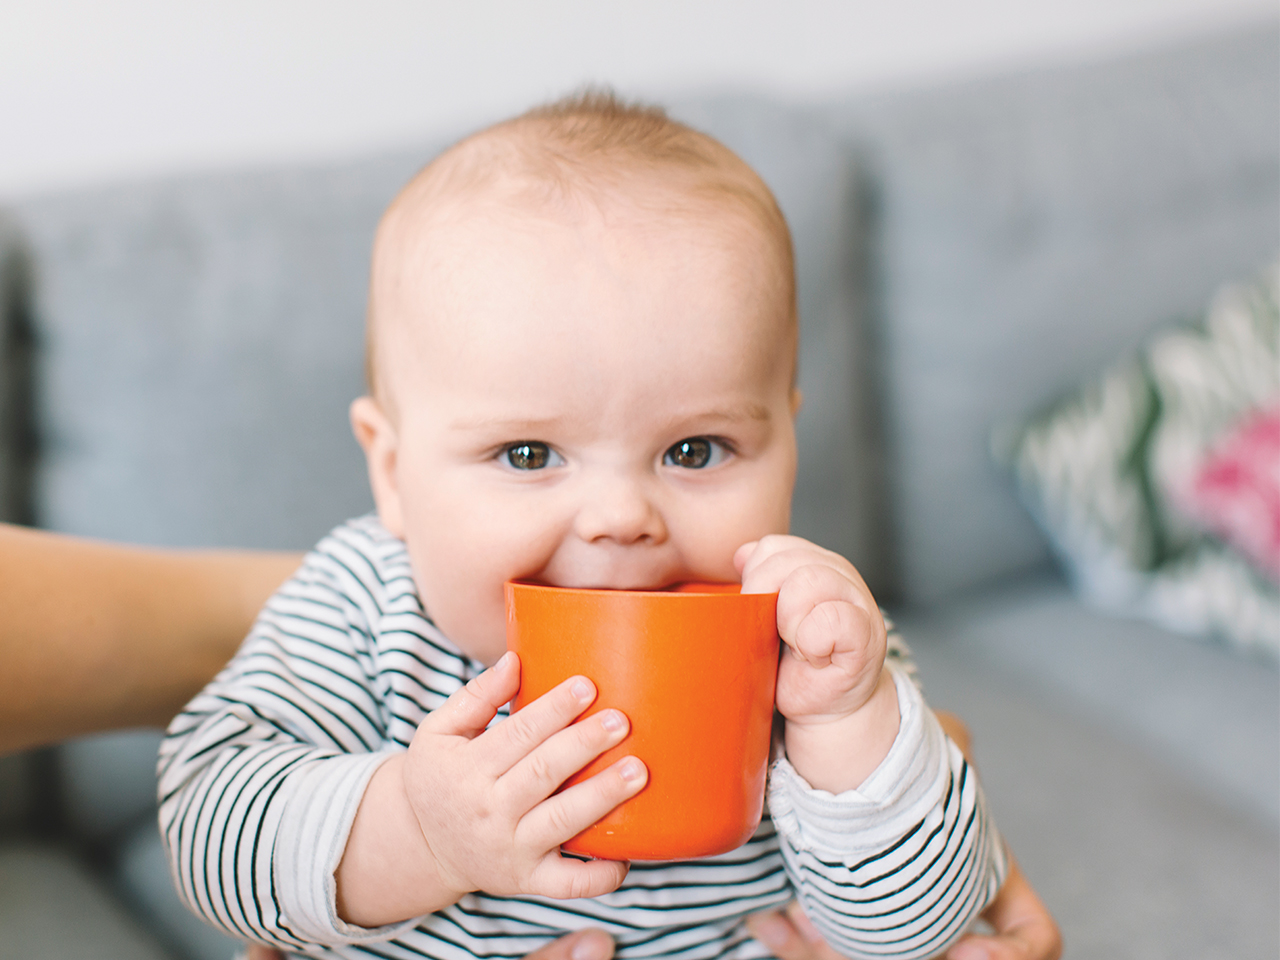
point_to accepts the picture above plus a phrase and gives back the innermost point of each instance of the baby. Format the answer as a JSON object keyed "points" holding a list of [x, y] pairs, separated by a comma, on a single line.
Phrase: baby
{"points": [[582, 353]]}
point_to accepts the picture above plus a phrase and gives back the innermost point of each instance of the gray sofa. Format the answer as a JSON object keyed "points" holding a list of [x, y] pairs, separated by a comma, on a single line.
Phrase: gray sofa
{"points": [[178, 356]]}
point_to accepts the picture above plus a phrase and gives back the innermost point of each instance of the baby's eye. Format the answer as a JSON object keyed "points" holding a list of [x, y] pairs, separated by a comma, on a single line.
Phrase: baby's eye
{"points": [[695, 453], [531, 455]]}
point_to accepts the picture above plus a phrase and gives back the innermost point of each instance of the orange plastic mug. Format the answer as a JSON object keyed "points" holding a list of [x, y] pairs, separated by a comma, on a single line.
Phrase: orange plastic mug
{"points": [[694, 669]]}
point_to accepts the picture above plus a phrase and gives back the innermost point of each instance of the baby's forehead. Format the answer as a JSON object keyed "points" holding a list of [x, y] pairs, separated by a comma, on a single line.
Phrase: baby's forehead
{"points": [[524, 177]]}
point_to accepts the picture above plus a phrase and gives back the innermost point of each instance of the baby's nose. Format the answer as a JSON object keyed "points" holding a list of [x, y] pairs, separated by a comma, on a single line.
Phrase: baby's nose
{"points": [[620, 509]]}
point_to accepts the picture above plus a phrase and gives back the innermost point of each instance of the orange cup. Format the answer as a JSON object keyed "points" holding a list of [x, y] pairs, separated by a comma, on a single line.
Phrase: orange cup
{"points": [[694, 669]]}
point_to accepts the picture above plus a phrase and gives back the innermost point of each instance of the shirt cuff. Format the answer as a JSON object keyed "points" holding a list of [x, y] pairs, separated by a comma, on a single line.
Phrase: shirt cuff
{"points": [[321, 805], [907, 784]]}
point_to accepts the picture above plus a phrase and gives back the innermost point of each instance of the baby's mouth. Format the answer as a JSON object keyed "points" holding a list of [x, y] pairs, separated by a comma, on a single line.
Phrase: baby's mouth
{"points": [[611, 577], [645, 584]]}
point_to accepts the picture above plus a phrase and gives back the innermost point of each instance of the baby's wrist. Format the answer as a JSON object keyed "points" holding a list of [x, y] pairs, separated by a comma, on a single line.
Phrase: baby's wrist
{"points": [[388, 872], [838, 753]]}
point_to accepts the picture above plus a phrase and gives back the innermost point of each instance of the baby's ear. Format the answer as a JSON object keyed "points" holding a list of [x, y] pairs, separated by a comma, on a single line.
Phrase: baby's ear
{"points": [[797, 401], [377, 437]]}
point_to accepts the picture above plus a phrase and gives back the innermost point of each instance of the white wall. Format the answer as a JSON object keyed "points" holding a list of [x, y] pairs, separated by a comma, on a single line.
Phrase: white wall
{"points": [[101, 89]]}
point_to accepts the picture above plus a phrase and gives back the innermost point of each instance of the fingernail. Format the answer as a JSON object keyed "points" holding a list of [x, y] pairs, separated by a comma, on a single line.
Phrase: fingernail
{"points": [[612, 720], [968, 951], [773, 932], [631, 770], [582, 690], [504, 661], [592, 945]]}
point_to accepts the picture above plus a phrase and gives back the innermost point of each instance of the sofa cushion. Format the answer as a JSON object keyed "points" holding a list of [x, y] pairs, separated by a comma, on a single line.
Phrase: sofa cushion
{"points": [[51, 908], [1030, 229], [1112, 473], [1133, 771], [1201, 709]]}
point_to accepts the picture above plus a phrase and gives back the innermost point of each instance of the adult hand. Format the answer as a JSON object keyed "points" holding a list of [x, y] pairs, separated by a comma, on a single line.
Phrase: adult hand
{"points": [[582, 945]]}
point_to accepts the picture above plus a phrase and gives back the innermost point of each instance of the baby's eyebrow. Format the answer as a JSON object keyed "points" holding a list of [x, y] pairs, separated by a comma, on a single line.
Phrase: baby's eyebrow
{"points": [[514, 426], [736, 414], [534, 426]]}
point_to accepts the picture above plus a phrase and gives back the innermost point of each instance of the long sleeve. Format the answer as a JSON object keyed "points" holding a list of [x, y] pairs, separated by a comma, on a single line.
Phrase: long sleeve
{"points": [[903, 865], [261, 774]]}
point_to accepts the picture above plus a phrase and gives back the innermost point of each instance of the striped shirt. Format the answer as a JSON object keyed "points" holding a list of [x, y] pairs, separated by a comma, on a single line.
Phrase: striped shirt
{"points": [[262, 773]]}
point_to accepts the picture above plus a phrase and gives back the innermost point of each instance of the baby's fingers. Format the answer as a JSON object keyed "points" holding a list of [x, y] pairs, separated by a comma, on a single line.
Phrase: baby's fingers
{"points": [[469, 711], [567, 879], [834, 631], [527, 729], [540, 774], [561, 817], [812, 586]]}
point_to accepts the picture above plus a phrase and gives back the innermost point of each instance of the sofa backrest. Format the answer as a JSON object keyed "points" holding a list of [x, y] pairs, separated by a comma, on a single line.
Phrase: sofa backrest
{"points": [[1031, 229], [17, 355]]}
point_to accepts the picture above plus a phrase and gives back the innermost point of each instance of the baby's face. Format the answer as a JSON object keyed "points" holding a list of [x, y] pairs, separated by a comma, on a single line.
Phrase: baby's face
{"points": [[602, 400]]}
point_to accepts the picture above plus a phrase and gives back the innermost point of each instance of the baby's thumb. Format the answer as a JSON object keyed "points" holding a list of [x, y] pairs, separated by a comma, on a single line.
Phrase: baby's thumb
{"points": [[743, 554], [469, 711]]}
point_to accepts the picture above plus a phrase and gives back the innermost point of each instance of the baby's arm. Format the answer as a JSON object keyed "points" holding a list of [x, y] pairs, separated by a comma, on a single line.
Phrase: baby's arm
{"points": [[263, 774], [884, 827]]}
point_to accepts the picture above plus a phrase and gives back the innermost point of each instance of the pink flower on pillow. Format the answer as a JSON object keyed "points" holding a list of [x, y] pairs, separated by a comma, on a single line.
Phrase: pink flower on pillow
{"points": [[1236, 491]]}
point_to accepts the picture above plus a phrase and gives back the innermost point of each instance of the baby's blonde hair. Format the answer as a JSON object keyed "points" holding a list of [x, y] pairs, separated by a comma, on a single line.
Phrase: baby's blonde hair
{"points": [[586, 143]]}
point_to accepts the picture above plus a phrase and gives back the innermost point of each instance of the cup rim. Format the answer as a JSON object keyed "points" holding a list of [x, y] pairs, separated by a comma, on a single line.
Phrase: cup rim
{"points": [[690, 588]]}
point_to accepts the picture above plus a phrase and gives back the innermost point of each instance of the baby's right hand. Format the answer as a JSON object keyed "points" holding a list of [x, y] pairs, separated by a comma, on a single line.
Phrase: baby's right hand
{"points": [[485, 799]]}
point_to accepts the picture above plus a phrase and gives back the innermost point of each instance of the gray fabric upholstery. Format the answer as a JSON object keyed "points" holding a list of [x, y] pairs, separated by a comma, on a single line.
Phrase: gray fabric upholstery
{"points": [[1030, 229], [51, 907], [17, 454], [107, 782], [1198, 707], [201, 340], [1136, 856]]}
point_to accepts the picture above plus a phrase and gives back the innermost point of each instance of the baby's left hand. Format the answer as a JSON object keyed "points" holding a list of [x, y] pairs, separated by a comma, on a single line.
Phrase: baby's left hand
{"points": [[839, 702], [831, 625]]}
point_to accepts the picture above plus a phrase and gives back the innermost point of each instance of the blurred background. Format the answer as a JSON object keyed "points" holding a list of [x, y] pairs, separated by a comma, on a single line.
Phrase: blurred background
{"points": [[93, 91], [1036, 249]]}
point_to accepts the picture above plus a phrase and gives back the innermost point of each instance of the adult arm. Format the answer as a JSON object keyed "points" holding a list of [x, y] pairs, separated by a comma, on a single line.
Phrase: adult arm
{"points": [[95, 636]]}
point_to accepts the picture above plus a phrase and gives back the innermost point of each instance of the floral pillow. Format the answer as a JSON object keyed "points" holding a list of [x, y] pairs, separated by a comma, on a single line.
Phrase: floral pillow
{"points": [[1159, 482]]}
